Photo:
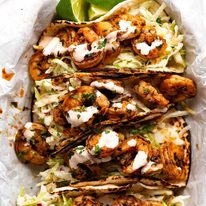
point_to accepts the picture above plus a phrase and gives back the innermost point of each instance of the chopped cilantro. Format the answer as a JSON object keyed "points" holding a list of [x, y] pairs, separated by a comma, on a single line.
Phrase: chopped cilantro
{"points": [[144, 129], [146, 91], [159, 20], [90, 97], [74, 96], [78, 116], [97, 150], [102, 44], [80, 149], [107, 131]]}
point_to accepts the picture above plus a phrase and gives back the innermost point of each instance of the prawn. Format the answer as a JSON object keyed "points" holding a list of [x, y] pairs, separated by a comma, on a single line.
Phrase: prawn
{"points": [[130, 200], [178, 88], [38, 65], [87, 50], [104, 144], [30, 145], [149, 45], [150, 94], [129, 26], [85, 201], [112, 47]]}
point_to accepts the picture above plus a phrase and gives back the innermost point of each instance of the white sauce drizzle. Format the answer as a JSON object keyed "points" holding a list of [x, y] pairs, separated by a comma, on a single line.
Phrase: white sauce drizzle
{"points": [[54, 47], [109, 139], [80, 156], [145, 48], [140, 160], [132, 143], [131, 107], [125, 26], [117, 105], [76, 118], [81, 50], [148, 166], [112, 41], [28, 132], [108, 85]]}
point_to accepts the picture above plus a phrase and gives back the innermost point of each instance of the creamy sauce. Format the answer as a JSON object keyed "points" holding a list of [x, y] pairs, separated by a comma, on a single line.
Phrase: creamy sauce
{"points": [[148, 166], [80, 156], [81, 51], [145, 48], [117, 105], [112, 41], [54, 47], [140, 160], [125, 26], [131, 107], [108, 85], [132, 143], [28, 132], [109, 139], [76, 118]]}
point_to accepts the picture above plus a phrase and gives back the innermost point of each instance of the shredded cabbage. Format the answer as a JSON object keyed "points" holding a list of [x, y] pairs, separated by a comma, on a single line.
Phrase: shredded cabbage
{"points": [[43, 198], [59, 67]]}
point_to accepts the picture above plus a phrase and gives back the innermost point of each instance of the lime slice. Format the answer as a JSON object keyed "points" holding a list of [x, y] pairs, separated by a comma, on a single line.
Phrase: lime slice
{"points": [[94, 12], [104, 4], [72, 10]]}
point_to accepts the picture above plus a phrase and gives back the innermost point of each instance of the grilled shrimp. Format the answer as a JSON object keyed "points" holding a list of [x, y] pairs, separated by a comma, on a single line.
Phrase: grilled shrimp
{"points": [[178, 88], [129, 26], [38, 65], [143, 149], [81, 105], [88, 49], [66, 36], [125, 108], [109, 32], [85, 201], [30, 145], [104, 144], [130, 200], [149, 45], [150, 94]]}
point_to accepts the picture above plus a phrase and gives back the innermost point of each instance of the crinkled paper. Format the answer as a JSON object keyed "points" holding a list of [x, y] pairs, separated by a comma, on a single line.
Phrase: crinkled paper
{"points": [[21, 22]]}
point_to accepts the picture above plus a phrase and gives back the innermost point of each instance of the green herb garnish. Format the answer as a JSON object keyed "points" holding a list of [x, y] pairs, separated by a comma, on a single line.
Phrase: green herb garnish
{"points": [[90, 97], [78, 116], [102, 44], [159, 20], [144, 129], [80, 149], [146, 91], [97, 150], [107, 131]]}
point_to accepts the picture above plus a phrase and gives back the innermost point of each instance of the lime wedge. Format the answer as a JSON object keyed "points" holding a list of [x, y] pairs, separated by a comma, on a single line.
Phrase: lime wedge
{"points": [[104, 4], [94, 12], [72, 10]]}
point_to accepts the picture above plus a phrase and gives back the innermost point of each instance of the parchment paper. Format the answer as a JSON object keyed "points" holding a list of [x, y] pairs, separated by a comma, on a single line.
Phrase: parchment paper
{"points": [[21, 22]]}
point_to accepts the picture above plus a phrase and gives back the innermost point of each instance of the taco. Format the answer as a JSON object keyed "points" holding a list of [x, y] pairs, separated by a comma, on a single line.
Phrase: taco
{"points": [[135, 37]]}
